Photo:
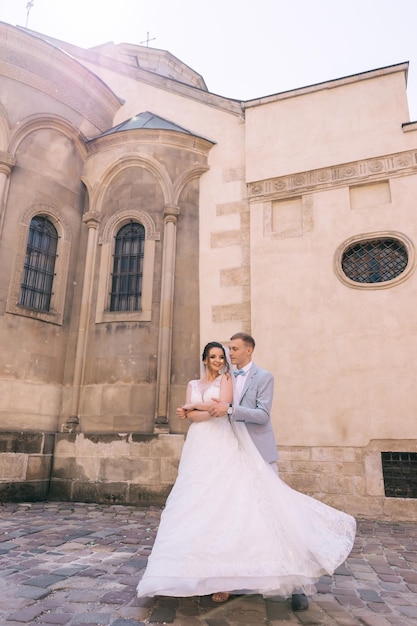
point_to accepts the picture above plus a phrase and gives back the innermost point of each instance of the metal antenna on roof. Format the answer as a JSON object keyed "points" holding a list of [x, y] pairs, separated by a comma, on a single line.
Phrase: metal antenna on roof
{"points": [[28, 8], [147, 40]]}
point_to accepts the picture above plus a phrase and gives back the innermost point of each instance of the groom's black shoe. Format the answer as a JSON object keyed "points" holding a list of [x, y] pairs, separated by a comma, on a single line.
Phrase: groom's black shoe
{"points": [[299, 602]]}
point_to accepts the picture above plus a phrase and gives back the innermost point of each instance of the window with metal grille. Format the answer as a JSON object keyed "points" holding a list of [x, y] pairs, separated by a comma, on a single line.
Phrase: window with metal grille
{"points": [[126, 288], [39, 265], [400, 474], [374, 261]]}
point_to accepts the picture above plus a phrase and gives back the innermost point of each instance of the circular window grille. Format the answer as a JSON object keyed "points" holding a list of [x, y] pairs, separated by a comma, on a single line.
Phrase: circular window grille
{"points": [[374, 261]]}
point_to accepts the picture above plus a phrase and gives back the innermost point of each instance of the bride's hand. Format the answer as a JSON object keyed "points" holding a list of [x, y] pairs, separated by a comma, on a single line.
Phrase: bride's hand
{"points": [[181, 413]]}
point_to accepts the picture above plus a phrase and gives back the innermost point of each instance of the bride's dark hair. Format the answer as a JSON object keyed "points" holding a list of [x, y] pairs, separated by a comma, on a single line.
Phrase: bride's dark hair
{"points": [[215, 344]]}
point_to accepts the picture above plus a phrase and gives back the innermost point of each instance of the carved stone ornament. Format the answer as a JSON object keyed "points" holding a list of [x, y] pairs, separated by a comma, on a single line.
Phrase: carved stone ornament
{"points": [[367, 170], [124, 216]]}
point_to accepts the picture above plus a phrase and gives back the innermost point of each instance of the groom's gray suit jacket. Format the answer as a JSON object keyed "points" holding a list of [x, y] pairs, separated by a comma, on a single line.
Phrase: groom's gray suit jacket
{"points": [[254, 409]]}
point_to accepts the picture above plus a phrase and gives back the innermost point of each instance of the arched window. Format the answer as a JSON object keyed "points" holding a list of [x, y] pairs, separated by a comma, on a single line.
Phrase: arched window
{"points": [[126, 284], [39, 265], [128, 245]]}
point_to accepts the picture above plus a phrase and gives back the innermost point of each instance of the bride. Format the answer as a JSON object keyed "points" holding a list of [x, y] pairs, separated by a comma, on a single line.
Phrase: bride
{"points": [[230, 523]]}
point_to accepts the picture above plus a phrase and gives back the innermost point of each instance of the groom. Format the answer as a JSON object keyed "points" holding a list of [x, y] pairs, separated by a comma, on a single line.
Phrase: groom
{"points": [[253, 401]]}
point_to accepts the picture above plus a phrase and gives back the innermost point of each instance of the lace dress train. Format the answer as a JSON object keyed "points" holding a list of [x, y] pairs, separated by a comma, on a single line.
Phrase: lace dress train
{"points": [[231, 524]]}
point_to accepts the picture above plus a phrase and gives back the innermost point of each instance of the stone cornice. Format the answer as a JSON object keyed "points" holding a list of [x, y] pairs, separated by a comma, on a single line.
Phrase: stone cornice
{"points": [[159, 62], [329, 84], [93, 56], [146, 136], [351, 173], [38, 64], [92, 219]]}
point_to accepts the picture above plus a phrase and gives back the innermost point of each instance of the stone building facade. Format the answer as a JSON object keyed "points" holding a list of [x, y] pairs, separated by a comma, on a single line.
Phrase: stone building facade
{"points": [[142, 216]]}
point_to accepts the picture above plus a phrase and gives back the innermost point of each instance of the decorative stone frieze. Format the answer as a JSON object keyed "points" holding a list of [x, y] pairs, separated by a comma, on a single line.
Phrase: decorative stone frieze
{"points": [[129, 214], [340, 175]]}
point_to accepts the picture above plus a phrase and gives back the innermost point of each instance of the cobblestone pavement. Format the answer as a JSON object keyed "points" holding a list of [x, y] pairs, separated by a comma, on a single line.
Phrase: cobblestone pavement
{"points": [[76, 564]]}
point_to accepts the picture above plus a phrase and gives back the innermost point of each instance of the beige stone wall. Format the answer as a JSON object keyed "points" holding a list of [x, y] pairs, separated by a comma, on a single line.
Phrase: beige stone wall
{"points": [[149, 175], [133, 468], [44, 181], [335, 350], [47, 102], [104, 368], [223, 238], [328, 124], [338, 353], [348, 478], [125, 468], [25, 465], [246, 218], [29, 406]]}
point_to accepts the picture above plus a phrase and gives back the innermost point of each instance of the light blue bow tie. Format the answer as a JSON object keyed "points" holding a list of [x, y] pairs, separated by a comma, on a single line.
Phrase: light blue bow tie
{"points": [[239, 372]]}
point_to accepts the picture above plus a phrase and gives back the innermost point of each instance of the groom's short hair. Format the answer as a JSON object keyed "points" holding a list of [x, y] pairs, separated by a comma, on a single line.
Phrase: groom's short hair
{"points": [[248, 339]]}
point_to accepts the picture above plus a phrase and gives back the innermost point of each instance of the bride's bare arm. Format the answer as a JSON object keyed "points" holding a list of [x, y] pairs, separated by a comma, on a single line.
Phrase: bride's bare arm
{"points": [[198, 416], [200, 411], [198, 406], [197, 412]]}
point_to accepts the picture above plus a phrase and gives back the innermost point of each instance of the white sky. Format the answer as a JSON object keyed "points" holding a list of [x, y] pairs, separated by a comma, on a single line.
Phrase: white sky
{"points": [[244, 48]]}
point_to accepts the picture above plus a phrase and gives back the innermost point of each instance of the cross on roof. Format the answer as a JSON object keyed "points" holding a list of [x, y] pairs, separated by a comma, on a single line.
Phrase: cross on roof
{"points": [[147, 40], [29, 5]]}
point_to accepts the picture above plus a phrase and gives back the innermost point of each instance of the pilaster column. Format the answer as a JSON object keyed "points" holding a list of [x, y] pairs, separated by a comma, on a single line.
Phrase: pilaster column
{"points": [[7, 163], [171, 213], [92, 220]]}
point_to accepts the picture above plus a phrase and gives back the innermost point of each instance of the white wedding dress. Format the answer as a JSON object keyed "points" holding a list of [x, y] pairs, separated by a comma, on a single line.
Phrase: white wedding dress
{"points": [[231, 524]]}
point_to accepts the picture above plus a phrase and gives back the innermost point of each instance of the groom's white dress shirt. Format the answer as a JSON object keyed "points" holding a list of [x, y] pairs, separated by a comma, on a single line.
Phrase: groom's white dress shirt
{"points": [[240, 381]]}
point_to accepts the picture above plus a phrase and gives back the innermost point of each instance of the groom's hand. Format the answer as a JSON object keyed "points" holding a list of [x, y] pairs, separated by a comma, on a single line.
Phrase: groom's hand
{"points": [[219, 408]]}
